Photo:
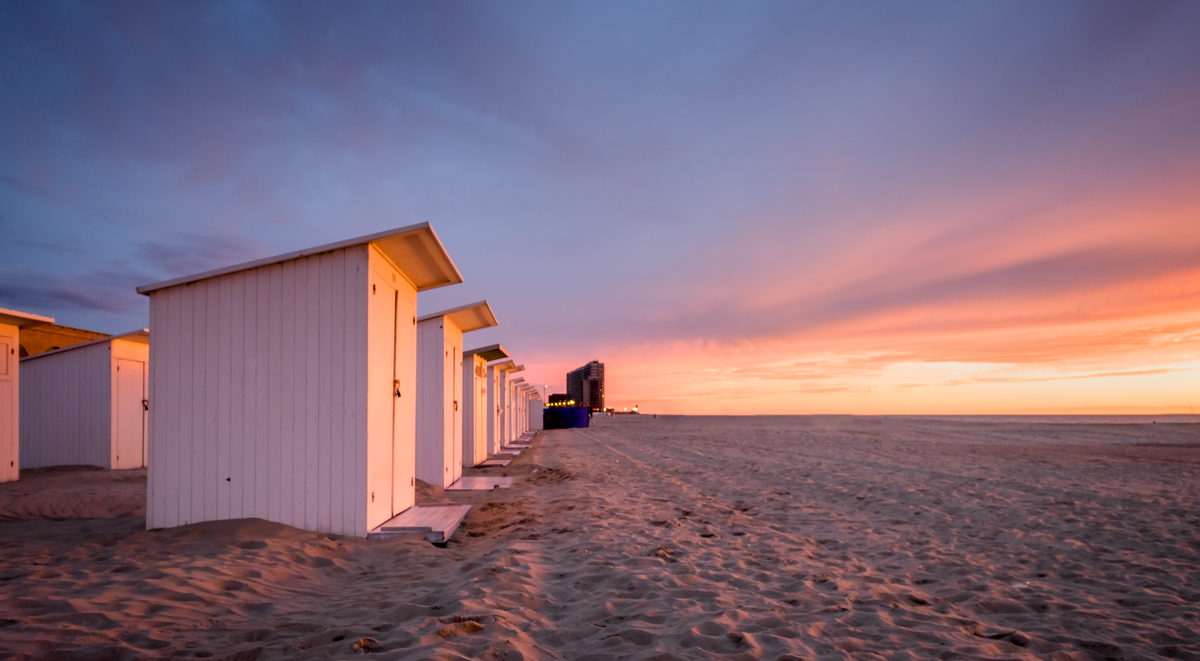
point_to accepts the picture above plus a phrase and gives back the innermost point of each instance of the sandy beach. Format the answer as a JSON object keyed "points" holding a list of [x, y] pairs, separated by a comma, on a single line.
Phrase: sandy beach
{"points": [[660, 538]]}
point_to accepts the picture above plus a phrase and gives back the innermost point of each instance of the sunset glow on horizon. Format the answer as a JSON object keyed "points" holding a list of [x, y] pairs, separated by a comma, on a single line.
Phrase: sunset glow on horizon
{"points": [[752, 208]]}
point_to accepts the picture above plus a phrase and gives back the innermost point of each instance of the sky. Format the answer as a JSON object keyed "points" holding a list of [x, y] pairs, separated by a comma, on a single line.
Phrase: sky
{"points": [[739, 207]]}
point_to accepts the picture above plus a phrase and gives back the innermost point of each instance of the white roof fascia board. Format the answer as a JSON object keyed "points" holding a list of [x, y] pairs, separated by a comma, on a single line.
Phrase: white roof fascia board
{"points": [[23, 319], [469, 317], [414, 250], [503, 366], [141, 336]]}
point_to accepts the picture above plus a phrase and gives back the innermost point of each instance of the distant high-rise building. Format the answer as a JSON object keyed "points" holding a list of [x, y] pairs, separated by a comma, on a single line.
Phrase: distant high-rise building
{"points": [[586, 385]]}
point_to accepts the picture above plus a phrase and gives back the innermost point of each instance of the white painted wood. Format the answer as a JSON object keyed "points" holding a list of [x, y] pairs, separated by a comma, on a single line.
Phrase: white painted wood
{"points": [[128, 413], [275, 395], [9, 402], [225, 403], [11, 323], [536, 411], [480, 483], [493, 409], [404, 456], [438, 522], [439, 427], [381, 398], [72, 411], [474, 409]]}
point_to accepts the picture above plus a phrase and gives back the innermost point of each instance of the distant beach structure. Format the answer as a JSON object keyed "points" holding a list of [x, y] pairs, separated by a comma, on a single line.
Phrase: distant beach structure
{"points": [[498, 401], [440, 389], [11, 324], [477, 417], [285, 388], [86, 404]]}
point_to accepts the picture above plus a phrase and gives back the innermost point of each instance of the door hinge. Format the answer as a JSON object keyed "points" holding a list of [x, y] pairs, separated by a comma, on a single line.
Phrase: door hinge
{"points": [[412, 481], [396, 387], [145, 405]]}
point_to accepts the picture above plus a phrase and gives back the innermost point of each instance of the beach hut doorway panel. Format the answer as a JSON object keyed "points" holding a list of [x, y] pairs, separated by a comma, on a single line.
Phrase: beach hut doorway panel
{"points": [[11, 323], [476, 419], [440, 389], [130, 411], [387, 465]]}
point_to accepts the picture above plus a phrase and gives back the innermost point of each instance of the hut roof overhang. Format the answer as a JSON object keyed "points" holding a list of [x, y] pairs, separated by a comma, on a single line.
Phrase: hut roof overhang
{"points": [[488, 353], [414, 250], [141, 336], [23, 319], [506, 366], [470, 317]]}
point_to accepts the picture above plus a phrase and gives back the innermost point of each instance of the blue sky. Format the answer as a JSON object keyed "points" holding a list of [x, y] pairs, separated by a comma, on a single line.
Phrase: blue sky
{"points": [[754, 184]]}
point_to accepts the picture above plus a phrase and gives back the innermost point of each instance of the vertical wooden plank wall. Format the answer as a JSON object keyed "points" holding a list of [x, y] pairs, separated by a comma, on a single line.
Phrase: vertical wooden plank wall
{"points": [[255, 409], [430, 404], [66, 408]]}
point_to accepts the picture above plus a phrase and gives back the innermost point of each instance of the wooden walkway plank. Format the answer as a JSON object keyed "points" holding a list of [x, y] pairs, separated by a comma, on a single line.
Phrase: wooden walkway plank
{"points": [[436, 522], [496, 461], [480, 483]]}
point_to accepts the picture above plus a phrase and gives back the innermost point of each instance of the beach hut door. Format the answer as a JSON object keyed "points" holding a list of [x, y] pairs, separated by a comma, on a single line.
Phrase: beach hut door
{"points": [[131, 414], [385, 389], [453, 394], [8, 403]]}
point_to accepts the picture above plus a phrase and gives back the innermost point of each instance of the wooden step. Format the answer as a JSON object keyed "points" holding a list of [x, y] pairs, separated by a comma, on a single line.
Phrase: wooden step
{"points": [[436, 522], [480, 483], [496, 461]]}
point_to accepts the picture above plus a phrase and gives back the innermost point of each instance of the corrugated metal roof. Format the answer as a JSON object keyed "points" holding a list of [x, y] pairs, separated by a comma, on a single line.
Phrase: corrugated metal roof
{"points": [[415, 250], [488, 353], [470, 317], [23, 319]]}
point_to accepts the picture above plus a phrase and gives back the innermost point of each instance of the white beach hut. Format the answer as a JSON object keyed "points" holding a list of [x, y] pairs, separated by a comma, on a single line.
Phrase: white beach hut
{"points": [[536, 409], [284, 388], [86, 404], [497, 396], [517, 428], [526, 406], [512, 410], [11, 323], [440, 389], [476, 417]]}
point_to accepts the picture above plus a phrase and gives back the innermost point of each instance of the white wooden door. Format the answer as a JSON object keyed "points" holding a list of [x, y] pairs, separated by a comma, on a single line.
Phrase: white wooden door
{"points": [[453, 376], [382, 372], [405, 412], [130, 411], [8, 403]]}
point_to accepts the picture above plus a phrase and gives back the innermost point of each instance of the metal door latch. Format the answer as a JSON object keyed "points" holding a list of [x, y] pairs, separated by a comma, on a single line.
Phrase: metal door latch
{"points": [[396, 385]]}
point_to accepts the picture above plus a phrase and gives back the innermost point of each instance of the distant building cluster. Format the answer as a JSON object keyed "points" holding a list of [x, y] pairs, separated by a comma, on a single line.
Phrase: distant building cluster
{"points": [[586, 385]]}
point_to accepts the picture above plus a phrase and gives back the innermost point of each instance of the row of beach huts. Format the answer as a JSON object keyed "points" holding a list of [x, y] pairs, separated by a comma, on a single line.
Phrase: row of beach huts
{"points": [[302, 389]]}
